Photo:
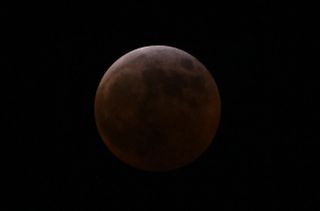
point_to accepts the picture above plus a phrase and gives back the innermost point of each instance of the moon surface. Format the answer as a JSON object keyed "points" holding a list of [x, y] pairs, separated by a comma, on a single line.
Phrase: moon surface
{"points": [[157, 108]]}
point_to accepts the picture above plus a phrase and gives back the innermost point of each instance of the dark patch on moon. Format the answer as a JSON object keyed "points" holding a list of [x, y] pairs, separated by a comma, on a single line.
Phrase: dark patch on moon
{"points": [[175, 85], [187, 63]]}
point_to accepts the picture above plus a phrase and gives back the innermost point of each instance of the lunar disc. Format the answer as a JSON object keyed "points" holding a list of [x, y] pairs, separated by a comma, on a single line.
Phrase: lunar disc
{"points": [[157, 108]]}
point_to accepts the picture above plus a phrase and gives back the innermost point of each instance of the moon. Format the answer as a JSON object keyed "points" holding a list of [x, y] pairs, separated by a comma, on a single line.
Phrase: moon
{"points": [[157, 108]]}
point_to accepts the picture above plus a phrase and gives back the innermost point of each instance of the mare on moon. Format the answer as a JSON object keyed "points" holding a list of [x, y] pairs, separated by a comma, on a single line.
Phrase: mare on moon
{"points": [[157, 108]]}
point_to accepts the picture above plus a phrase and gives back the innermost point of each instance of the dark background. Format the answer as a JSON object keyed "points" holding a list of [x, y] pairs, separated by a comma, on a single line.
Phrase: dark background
{"points": [[263, 156]]}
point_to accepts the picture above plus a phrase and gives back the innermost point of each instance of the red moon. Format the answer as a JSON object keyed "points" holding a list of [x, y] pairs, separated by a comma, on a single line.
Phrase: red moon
{"points": [[157, 108]]}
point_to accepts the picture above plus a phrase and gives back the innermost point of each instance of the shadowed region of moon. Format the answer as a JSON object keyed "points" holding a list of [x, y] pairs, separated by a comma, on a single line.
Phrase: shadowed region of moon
{"points": [[157, 108]]}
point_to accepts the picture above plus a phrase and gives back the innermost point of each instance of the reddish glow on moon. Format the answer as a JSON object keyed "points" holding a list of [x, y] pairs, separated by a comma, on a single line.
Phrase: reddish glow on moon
{"points": [[157, 108]]}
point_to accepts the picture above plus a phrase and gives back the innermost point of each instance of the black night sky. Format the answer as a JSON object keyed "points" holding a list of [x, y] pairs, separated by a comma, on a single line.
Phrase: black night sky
{"points": [[262, 157]]}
